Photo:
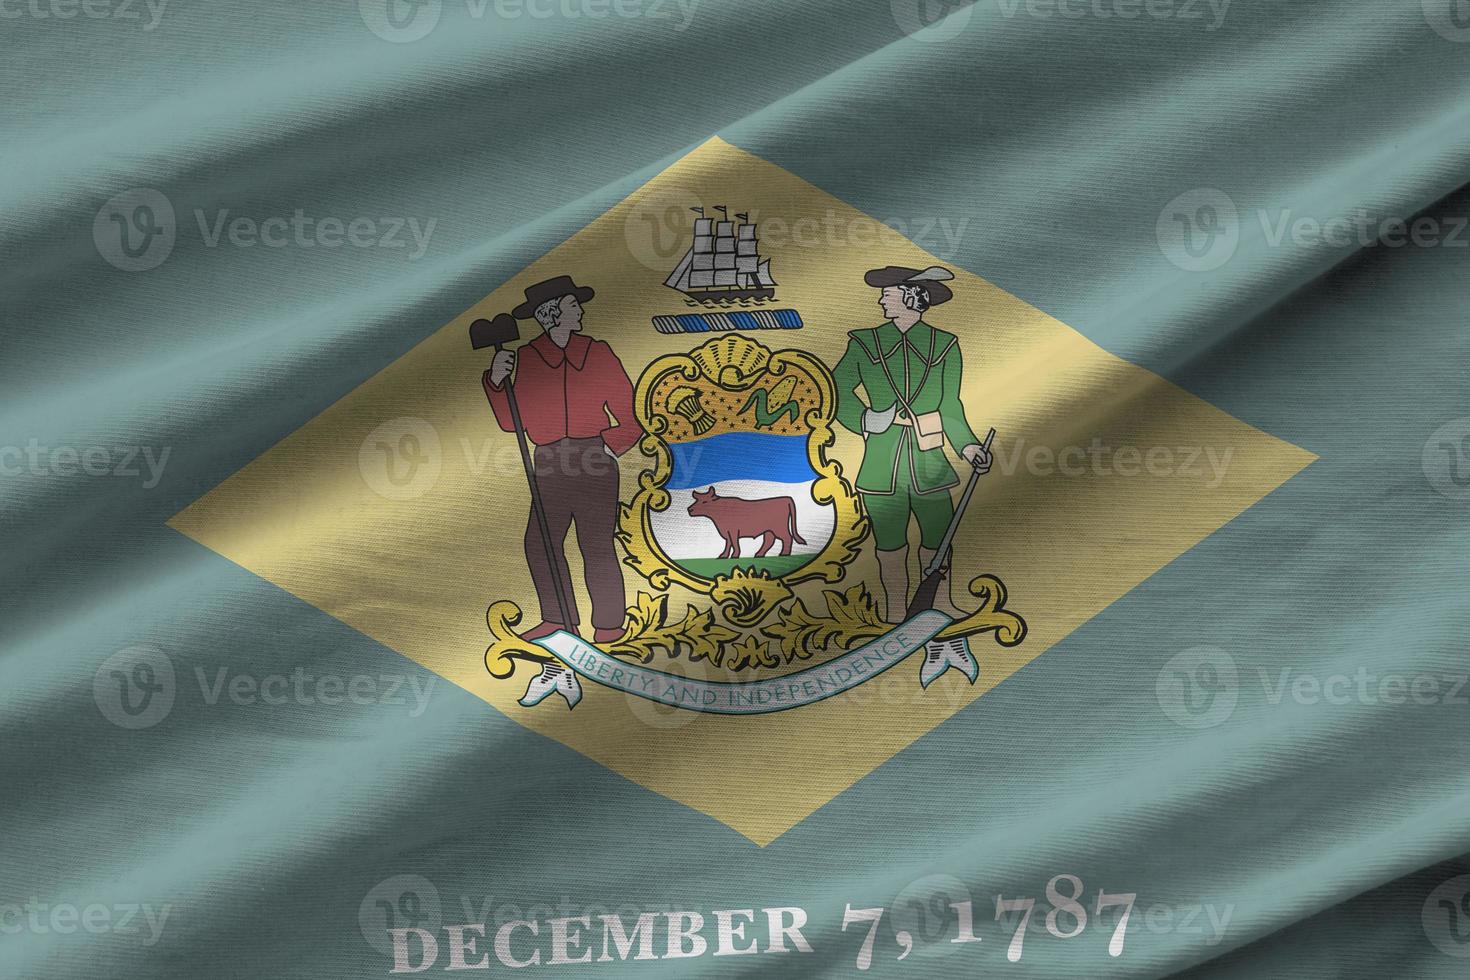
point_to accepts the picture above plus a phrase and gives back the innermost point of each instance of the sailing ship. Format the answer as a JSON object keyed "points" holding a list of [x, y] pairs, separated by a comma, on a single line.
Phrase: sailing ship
{"points": [[723, 265]]}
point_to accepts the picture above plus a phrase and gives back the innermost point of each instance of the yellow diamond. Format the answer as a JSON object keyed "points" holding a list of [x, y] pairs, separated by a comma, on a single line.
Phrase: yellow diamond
{"points": [[401, 509]]}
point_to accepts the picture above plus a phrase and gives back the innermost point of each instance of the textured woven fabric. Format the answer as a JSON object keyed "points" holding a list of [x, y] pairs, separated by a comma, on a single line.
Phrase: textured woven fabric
{"points": [[256, 512]]}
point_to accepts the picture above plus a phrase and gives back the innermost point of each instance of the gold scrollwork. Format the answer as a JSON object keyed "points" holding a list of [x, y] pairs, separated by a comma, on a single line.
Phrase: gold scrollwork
{"points": [[852, 617], [505, 646], [1009, 628]]}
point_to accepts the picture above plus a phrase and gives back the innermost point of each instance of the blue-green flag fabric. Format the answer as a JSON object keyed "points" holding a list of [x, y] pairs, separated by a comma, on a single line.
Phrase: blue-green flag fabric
{"points": [[685, 488]]}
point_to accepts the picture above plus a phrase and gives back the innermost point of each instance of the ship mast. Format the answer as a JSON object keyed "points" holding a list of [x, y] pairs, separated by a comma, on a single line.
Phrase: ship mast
{"points": [[723, 261], [726, 276]]}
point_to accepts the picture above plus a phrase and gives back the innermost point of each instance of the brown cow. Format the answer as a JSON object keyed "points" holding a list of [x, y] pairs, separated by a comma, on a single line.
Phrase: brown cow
{"points": [[771, 519]]}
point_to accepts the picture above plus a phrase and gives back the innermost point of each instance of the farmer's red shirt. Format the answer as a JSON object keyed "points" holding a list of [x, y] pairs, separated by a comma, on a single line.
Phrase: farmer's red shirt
{"points": [[568, 394]]}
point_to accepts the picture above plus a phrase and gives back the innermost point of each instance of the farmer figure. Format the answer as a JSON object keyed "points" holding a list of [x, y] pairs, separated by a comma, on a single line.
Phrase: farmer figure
{"points": [[568, 385], [911, 373]]}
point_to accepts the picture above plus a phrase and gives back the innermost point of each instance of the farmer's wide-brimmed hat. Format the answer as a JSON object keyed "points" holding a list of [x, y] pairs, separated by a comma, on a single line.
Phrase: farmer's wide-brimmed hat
{"points": [[932, 279], [554, 288]]}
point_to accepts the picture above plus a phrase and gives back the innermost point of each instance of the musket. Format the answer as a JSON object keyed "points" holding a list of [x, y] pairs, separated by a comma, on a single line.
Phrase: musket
{"points": [[938, 568]]}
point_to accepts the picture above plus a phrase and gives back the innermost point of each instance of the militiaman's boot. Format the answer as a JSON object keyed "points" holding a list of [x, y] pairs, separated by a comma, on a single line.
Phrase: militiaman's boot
{"points": [[893, 569], [940, 655], [553, 679], [942, 599]]}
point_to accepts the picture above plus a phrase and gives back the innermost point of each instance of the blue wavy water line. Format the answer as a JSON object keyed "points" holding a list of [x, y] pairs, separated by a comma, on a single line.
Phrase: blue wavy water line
{"points": [[740, 456]]}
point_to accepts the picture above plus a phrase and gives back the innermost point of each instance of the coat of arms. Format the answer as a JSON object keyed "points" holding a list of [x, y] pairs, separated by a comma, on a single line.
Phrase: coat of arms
{"points": [[741, 503], [740, 507]]}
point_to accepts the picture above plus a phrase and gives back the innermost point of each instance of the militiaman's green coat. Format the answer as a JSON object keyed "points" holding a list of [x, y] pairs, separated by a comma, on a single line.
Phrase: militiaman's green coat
{"points": [[926, 366]]}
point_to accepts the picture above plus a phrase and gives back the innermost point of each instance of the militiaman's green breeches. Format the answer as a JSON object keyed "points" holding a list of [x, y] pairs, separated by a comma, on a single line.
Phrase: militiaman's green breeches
{"points": [[890, 514]]}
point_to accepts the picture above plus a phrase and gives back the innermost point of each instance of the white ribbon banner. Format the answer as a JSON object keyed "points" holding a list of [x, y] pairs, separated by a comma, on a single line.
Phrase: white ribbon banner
{"points": [[755, 697]]}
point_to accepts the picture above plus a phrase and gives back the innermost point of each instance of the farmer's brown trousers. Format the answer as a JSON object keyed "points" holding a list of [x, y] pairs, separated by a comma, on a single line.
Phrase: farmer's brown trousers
{"points": [[578, 481]]}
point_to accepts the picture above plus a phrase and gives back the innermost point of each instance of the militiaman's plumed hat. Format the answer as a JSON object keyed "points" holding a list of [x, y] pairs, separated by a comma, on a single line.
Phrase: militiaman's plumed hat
{"points": [[932, 279]]}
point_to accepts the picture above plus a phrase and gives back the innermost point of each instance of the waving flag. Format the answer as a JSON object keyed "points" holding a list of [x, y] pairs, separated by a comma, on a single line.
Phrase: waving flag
{"points": [[675, 489]]}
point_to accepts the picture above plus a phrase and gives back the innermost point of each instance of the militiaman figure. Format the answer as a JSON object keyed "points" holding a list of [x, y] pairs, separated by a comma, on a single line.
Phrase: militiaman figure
{"points": [[911, 373]]}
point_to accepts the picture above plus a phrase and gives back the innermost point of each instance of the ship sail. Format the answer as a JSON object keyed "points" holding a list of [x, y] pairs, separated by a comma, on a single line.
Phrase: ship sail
{"points": [[679, 278], [724, 261], [725, 272], [747, 260]]}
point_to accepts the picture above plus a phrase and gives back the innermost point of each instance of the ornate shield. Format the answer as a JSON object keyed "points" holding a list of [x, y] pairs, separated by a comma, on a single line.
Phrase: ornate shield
{"points": [[742, 502]]}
